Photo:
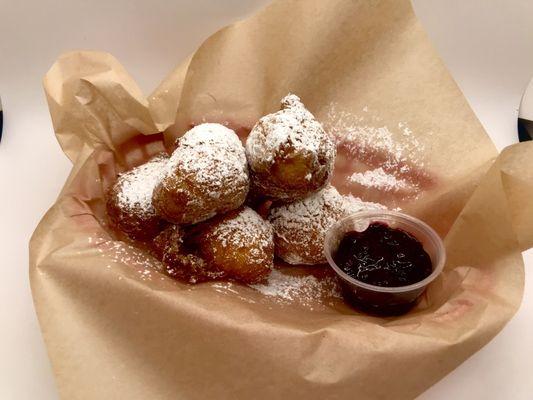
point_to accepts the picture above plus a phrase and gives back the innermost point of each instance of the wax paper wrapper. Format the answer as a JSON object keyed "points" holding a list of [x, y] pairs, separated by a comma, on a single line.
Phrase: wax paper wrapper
{"points": [[117, 328]]}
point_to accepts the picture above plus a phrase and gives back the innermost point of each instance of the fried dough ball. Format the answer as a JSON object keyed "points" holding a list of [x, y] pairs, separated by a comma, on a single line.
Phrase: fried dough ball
{"points": [[238, 245], [207, 174], [179, 260], [300, 227], [129, 201], [289, 153]]}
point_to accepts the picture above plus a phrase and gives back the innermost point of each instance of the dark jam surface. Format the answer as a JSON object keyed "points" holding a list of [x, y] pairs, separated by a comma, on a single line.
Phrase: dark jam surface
{"points": [[383, 256]]}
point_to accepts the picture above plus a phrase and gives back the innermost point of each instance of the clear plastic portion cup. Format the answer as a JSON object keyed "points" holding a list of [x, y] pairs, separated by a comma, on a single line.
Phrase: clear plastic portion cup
{"points": [[377, 299]]}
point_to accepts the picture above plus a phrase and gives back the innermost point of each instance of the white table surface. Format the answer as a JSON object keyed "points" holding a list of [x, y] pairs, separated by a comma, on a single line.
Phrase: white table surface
{"points": [[487, 46]]}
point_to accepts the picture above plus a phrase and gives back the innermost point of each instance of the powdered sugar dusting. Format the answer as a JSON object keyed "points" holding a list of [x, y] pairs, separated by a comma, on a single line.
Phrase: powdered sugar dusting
{"points": [[352, 205], [117, 252], [135, 187], [229, 288], [379, 179], [292, 126], [247, 227], [213, 155], [300, 227], [367, 138], [364, 132], [306, 290], [205, 144]]}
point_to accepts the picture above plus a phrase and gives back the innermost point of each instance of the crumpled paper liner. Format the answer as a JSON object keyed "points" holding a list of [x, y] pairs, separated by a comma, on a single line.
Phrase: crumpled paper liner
{"points": [[116, 327]]}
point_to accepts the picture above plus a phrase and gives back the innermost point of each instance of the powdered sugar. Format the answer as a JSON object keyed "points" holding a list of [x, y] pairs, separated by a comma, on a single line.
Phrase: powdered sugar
{"points": [[352, 205], [300, 227], [116, 252], [230, 288], [135, 187], [247, 224], [306, 290], [244, 229], [293, 126], [365, 132], [379, 179], [391, 149], [213, 156]]}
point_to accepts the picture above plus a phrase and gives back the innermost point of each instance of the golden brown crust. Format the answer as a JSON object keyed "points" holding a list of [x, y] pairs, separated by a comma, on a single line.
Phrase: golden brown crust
{"points": [[285, 179], [183, 200], [207, 175], [134, 214], [300, 227], [290, 154], [134, 224], [238, 246], [239, 243], [180, 260]]}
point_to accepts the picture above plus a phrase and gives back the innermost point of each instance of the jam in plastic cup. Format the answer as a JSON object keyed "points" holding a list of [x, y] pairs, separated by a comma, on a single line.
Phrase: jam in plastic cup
{"points": [[379, 300]]}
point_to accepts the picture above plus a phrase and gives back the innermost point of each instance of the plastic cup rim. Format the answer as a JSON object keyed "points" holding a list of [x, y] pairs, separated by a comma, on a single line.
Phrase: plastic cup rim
{"points": [[434, 237]]}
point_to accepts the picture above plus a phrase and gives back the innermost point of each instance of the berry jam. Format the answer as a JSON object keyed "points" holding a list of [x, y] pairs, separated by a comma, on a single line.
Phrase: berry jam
{"points": [[383, 256]]}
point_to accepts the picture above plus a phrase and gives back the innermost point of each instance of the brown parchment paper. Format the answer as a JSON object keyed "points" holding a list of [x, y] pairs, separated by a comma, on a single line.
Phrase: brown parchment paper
{"points": [[115, 331]]}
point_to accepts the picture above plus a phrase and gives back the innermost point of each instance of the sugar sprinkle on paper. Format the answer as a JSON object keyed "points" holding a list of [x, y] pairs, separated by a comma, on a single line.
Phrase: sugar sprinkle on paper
{"points": [[307, 290], [379, 179], [366, 136], [146, 266], [228, 287]]}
